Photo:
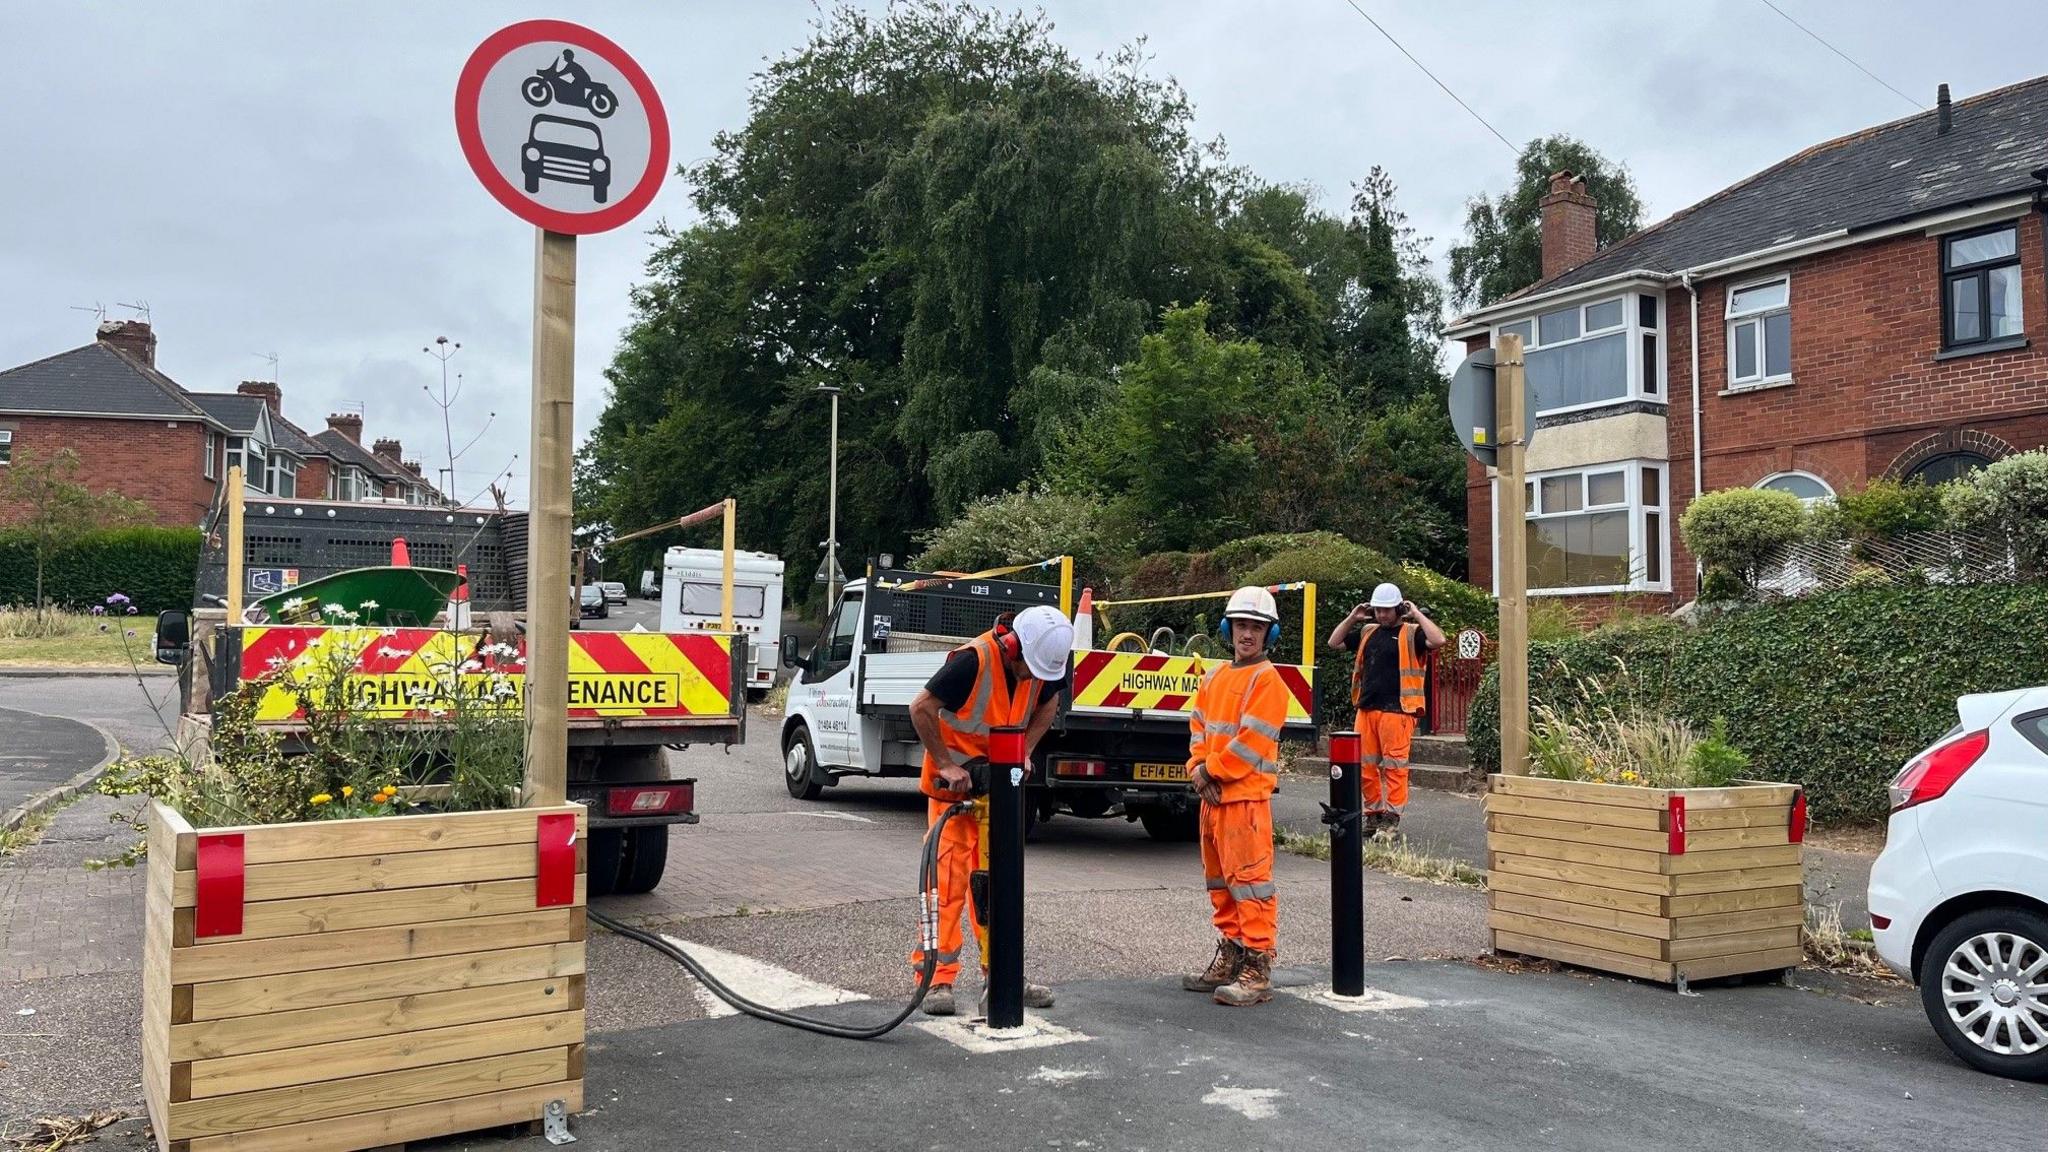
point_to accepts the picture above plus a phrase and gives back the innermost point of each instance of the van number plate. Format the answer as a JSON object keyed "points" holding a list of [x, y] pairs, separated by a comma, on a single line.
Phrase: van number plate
{"points": [[1164, 772]]}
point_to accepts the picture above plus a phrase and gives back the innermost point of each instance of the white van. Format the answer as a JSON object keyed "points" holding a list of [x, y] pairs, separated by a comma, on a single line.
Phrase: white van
{"points": [[691, 579]]}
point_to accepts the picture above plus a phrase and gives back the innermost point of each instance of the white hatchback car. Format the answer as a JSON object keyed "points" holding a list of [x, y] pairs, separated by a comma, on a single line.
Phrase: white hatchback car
{"points": [[1959, 899]]}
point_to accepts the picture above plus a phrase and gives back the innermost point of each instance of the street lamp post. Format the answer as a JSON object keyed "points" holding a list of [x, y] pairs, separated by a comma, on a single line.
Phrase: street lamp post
{"points": [[832, 504]]}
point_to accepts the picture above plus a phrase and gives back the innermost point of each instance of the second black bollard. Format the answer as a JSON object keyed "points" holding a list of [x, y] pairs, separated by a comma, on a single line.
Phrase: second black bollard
{"points": [[1344, 814], [1006, 878]]}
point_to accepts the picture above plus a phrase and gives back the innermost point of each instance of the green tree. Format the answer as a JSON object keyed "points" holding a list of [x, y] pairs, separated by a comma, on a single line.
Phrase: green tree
{"points": [[1503, 247], [57, 510]]}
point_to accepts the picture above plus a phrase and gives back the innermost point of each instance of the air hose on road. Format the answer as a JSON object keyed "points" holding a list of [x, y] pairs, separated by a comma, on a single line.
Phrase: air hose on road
{"points": [[928, 938]]}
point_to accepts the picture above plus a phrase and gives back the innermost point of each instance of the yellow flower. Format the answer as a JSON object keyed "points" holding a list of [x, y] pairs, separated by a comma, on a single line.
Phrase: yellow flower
{"points": [[321, 798], [1628, 777], [347, 790]]}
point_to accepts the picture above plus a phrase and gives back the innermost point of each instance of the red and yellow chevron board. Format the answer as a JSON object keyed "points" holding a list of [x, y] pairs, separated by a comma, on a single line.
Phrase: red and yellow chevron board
{"points": [[411, 673], [1125, 680]]}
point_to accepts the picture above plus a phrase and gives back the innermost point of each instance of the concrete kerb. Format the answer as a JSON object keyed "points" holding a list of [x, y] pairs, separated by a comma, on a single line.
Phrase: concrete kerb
{"points": [[49, 798], [44, 671]]}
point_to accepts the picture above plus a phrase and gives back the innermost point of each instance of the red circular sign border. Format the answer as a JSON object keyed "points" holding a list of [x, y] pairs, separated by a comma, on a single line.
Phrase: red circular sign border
{"points": [[469, 92]]}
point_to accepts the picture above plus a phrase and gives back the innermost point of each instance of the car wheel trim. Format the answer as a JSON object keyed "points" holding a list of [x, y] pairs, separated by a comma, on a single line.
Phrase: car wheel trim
{"points": [[1995, 988], [796, 761]]}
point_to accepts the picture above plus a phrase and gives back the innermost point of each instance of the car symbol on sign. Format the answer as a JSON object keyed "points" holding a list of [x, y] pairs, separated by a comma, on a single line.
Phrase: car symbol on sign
{"points": [[568, 151]]}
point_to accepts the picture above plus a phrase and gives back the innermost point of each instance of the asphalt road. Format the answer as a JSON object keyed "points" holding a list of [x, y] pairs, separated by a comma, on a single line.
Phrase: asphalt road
{"points": [[38, 753]]}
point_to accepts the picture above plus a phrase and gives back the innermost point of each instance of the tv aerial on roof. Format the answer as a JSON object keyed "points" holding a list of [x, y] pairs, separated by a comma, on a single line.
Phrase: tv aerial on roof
{"points": [[140, 308]]}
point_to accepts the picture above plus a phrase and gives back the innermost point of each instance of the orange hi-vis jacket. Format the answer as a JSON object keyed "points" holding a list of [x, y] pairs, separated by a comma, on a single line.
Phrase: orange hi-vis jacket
{"points": [[965, 733], [1234, 730], [1412, 695]]}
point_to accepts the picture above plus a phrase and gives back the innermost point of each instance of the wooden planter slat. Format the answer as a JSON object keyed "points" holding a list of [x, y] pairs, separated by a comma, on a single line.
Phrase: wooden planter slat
{"points": [[339, 913], [394, 979], [241, 1035], [1604, 876]]}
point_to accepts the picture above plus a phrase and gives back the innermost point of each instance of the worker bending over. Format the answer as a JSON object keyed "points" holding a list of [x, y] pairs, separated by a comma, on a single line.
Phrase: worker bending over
{"points": [[1234, 761], [1387, 692], [1008, 677]]}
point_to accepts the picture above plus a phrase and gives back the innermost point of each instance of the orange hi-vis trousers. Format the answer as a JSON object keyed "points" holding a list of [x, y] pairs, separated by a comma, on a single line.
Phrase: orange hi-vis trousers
{"points": [[1237, 860], [1384, 744], [959, 856]]}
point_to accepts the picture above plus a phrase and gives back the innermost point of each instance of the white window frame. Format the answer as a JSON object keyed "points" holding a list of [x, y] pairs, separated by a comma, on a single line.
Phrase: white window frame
{"points": [[237, 455], [1757, 316], [1633, 503], [282, 469], [1809, 501], [6, 446], [211, 467], [1631, 327]]}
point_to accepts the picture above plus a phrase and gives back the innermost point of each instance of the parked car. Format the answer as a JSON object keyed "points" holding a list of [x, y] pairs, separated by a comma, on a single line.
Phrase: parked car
{"points": [[593, 606], [614, 592], [1959, 898]]}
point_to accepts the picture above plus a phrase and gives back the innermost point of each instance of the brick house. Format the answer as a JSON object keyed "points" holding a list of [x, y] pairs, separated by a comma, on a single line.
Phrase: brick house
{"points": [[138, 433], [1875, 306]]}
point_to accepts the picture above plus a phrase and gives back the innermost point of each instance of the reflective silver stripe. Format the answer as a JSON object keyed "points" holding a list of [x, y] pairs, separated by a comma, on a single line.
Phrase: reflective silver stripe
{"points": [[1195, 717], [1219, 728], [1372, 761], [1392, 763], [1217, 884], [1244, 751], [963, 724], [1269, 731], [1262, 891], [952, 957]]}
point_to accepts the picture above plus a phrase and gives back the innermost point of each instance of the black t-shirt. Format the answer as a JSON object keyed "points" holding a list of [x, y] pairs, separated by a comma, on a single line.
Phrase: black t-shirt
{"points": [[1379, 689], [954, 683]]}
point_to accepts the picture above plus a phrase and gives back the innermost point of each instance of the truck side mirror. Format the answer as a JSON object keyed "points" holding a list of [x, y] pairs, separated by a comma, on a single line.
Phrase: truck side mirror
{"points": [[173, 636], [789, 651]]}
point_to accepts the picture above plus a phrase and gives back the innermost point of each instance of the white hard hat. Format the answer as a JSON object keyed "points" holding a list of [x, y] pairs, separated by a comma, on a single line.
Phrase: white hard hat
{"points": [[1252, 603], [1047, 639], [1386, 596]]}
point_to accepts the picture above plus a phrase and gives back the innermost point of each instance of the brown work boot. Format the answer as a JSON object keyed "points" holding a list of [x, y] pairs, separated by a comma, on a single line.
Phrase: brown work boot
{"points": [[1222, 970], [1254, 983], [1035, 996], [938, 1001], [1390, 825]]}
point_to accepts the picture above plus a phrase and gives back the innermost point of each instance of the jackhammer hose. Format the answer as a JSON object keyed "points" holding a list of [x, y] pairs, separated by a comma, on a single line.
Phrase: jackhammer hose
{"points": [[927, 876]]}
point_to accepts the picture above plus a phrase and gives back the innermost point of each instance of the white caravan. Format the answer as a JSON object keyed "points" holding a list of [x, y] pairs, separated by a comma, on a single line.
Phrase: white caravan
{"points": [[691, 579]]}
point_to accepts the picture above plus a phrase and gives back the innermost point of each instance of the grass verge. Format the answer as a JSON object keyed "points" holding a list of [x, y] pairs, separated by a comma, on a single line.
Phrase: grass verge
{"points": [[17, 839], [1389, 854]]}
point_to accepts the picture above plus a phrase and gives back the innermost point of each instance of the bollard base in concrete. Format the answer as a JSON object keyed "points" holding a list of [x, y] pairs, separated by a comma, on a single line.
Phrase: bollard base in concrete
{"points": [[1373, 1000], [974, 1034]]}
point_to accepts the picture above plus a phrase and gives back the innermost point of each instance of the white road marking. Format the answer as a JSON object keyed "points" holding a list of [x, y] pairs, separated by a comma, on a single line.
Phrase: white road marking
{"points": [[974, 1034], [1050, 1075], [1251, 1103], [1373, 1000], [835, 816], [757, 980]]}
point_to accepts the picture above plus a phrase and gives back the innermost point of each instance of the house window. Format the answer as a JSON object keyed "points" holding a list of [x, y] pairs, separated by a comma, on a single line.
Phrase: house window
{"points": [[1760, 333], [1809, 488], [1952, 466], [1597, 529], [236, 446], [1588, 355], [284, 477], [1980, 287], [211, 465], [6, 445]]}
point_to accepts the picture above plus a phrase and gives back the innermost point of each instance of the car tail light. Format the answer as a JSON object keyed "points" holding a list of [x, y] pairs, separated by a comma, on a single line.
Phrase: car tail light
{"points": [[1080, 768], [1880, 922], [651, 799], [1936, 770]]}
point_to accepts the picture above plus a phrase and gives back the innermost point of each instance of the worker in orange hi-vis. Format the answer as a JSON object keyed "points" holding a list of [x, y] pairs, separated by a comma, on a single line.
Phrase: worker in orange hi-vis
{"points": [[1387, 680], [1234, 761], [1008, 677]]}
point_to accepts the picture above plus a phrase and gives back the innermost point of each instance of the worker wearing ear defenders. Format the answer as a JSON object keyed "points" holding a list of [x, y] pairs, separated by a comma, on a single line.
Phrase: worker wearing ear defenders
{"points": [[1234, 761], [1008, 677], [1391, 639]]}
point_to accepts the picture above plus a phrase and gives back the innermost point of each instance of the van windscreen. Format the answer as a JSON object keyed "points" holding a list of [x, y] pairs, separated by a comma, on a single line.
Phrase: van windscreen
{"points": [[703, 600]]}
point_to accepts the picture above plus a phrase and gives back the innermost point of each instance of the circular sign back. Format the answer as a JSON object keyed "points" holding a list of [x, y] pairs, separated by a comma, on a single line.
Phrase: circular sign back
{"points": [[561, 126], [1470, 643]]}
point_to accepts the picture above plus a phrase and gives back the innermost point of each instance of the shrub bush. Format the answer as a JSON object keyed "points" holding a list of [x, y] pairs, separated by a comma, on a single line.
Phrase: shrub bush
{"points": [[1738, 529], [2008, 500], [1238, 558], [157, 568], [1885, 509], [1834, 692], [1022, 526]]}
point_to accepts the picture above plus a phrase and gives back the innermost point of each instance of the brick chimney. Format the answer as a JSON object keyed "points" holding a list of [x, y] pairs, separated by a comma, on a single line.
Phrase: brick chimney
{"points": [[348, 424], [412, 466], [387, 449], [130, 336], [271, 395], [1568, 217]]}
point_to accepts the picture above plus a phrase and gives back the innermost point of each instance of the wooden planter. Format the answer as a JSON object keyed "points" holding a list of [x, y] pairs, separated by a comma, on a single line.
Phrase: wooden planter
{"points": [[349, 984], [1657, 883]]}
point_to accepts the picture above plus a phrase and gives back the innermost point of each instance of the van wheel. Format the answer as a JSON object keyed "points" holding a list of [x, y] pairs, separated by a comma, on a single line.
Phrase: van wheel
{"points": [[1171, 826], [605, 852], [646, 859], [1986, 994], [800, 773]]}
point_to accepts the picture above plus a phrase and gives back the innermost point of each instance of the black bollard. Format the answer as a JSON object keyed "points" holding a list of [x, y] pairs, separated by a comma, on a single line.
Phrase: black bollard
{"points": [[1347, 867], [1006, 878]]}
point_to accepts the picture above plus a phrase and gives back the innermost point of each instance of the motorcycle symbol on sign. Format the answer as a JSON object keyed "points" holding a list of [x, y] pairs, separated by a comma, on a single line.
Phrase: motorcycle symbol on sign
{"points": [[568, 83]]}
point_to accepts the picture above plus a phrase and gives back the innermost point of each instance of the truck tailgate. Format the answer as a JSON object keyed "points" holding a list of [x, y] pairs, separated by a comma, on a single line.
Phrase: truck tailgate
{"points": [[1157, 687], [893, 679]]}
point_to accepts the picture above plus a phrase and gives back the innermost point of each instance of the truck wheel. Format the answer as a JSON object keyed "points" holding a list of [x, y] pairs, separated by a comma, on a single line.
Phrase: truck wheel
{"points": [[1170, 826], [646, 857], [800, 766], [605, 852]]}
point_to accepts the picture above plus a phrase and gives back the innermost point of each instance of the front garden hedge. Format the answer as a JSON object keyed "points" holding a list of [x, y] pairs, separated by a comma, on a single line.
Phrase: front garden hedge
{"points": [[157, 568]]}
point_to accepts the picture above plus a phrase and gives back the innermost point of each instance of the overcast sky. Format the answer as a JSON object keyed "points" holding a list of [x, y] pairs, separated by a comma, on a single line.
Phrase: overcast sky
{"points": [[285, 178]]}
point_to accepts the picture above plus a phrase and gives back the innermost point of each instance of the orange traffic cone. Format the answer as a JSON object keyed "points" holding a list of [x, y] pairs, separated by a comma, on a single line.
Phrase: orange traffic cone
{"points": [[1084, 621], [400, 557]]}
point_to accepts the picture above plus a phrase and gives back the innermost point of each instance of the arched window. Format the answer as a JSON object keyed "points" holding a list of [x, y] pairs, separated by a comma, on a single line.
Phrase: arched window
{"points": [[1948, 466], [1809, 488]]}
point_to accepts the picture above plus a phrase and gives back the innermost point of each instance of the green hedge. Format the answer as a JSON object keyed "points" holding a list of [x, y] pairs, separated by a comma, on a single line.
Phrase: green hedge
{"points": [[157, 568], [1834, 691]]}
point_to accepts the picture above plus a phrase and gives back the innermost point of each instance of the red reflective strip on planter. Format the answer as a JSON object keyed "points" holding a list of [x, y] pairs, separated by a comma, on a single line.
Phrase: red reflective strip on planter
{"points": [[217, 903], [555, 842], [1797, 833], [1345, 748], [1677, 825]]}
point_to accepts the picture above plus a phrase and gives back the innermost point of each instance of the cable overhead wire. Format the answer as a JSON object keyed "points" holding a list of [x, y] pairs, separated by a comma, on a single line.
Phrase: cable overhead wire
{"points": [[1844, 55], [1439, 83]]}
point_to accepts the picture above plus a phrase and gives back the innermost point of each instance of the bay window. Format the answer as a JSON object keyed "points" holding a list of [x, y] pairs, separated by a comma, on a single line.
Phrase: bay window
{"points": [[1597, 529], [1760, 333], [1592, 354]]}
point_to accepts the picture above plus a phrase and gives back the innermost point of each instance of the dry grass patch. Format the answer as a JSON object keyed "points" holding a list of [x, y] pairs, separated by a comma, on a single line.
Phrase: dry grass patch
{"points": [[1389, 854]]}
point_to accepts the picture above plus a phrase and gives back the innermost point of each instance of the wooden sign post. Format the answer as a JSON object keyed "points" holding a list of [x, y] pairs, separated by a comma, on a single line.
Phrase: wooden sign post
{"points": [[233, 500], [1511, 530], [548, 523]]}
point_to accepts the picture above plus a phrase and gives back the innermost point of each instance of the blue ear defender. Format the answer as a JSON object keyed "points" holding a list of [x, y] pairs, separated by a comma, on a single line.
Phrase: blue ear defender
{"points": [[1272, 632]]}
